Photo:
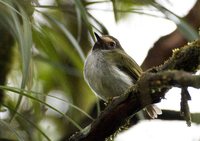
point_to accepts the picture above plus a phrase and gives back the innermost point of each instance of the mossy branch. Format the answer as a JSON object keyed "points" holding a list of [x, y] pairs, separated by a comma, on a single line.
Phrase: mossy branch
{"points": [[178, 71]]}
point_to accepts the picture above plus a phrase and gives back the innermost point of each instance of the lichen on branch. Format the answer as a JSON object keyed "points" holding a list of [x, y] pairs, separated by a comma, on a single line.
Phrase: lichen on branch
{"points": [[151, 87]]}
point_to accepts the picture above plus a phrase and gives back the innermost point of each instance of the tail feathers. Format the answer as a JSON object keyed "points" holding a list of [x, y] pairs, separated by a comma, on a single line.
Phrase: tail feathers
{"points": [[153, 111]]}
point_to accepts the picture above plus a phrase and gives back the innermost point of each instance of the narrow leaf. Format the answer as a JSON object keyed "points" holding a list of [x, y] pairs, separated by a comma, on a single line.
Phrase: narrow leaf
{"points": [[7, 125], [40, 101], [27, 120]]}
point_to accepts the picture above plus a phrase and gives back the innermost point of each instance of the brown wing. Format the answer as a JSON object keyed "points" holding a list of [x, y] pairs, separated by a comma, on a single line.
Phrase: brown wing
{"points": [[125, 63]]}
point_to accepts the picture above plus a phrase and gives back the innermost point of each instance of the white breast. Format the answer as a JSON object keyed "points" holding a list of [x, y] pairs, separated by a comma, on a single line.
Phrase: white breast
{"points": [[105, 79], [122, 75]]}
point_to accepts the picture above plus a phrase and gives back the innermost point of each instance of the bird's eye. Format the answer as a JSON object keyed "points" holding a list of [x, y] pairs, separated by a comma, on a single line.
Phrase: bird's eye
{"points": [[112, 44]]}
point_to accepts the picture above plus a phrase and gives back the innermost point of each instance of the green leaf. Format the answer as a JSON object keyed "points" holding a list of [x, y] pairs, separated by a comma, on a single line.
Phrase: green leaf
{"points": [[127, 5], [30, 122], [84, 15], [18, 90], [69, 36], [20, 26], [22, 92], [79, 24], [52, 45], [7, 125], [102, 27]]}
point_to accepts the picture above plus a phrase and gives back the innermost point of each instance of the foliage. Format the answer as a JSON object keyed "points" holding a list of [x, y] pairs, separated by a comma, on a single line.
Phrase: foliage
{"points": [[51, 42]]}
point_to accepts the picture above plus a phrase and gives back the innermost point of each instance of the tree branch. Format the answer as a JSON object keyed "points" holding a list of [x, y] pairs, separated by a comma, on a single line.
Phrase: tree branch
{"points": [[177, 71], [162, 49]]}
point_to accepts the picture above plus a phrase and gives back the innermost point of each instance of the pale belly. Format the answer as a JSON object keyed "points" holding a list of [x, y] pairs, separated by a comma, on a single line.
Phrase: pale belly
{"points": [[107, 81]]}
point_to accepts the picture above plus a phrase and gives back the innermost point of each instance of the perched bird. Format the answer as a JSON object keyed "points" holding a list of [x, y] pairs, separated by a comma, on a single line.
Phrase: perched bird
{"points": [[110, 71]]}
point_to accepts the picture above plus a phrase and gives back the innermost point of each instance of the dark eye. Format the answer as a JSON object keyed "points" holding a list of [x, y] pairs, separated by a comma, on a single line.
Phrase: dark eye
{"points": [[112, 44]]}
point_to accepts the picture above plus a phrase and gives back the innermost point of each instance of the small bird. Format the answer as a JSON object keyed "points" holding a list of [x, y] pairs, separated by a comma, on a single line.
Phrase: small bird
{"points": [[110, 71]]}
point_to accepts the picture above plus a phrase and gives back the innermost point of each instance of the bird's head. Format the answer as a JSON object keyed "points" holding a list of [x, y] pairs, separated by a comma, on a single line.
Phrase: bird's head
{"points": [[106, 42]]}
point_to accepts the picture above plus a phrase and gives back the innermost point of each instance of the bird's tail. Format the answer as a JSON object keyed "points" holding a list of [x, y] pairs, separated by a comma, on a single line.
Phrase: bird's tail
{"points": [[153, 111]]}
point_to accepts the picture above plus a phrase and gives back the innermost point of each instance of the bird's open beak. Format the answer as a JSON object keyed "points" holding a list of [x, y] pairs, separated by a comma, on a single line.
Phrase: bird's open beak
{"points": [[97, 36]]}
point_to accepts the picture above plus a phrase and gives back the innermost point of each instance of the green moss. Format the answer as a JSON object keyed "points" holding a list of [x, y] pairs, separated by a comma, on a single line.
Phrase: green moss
{"points": [[186, 58]]}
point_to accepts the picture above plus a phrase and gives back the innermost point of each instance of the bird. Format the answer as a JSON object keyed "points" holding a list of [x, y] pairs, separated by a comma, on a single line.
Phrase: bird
{"points": [[110, 71]]}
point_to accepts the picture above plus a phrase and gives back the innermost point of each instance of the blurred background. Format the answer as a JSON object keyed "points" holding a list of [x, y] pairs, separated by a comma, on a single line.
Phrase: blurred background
{"points": [[43, 45]]}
